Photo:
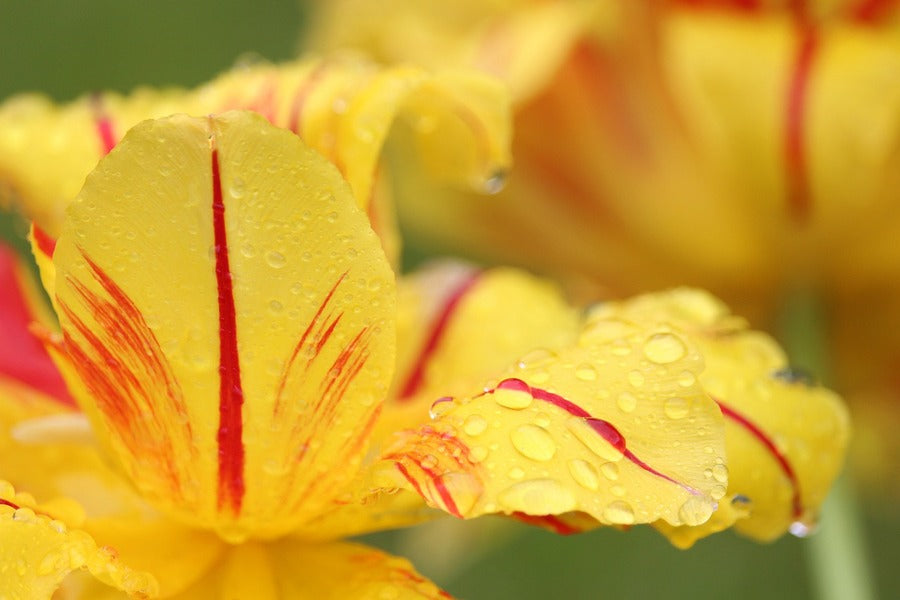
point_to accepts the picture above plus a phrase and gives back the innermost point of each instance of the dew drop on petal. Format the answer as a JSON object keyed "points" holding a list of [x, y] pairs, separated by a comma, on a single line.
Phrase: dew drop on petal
{"points": [[619, 513], [802, 529], [516, 473], [676, 408], [439, 407], [586, 434], [695, 511], [475, 425], [538, 497], [276, 259], [586, 372], [686, 379], [584, 474], [635, 378], [720, 473], [626, 401], [495, 183], [664, 348], [514, 394], [610, 470], [533, 442]]}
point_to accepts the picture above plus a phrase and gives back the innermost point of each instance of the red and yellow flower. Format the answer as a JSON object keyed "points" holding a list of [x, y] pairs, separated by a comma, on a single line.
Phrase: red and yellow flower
{"points": [[253, 384]]}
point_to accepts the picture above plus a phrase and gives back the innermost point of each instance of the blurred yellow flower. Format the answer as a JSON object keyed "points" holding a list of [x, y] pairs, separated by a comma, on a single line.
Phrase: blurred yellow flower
{"points": [[747, 147]]}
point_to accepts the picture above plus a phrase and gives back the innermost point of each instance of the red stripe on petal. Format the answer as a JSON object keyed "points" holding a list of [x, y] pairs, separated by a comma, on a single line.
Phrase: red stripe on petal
{"points": [[798, 192], [23, 356], [121, 364], [231, 394], [44, 242], [782, 460], [603, 428], [451, 303], [551, 522], [308, 336], [103, 123]]}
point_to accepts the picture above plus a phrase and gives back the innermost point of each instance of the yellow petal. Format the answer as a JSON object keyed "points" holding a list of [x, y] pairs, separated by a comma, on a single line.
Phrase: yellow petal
{"points": [[444, 345], [343, 107], [42, 544], [785, 438], [611, 427], [238, 369]]}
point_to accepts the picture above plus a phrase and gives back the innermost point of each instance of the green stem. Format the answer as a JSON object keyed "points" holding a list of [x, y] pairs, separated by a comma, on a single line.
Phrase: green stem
{"points": [[836, 555]]}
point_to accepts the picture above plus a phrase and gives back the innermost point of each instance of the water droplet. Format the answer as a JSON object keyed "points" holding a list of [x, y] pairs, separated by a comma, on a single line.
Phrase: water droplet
{"points": [[439, 407], [626, 402], [465, 489], [237, 188], [533, 442], [276, 259], [586, 372], [538, 497], [664, 348], [248, 250], [619, 513], [475, 425], [717, 492], [429, 461], [695, 511], [617, 490], [495, 183], [594, 442], [516, 473], [275, 306], [676, 408], [686, 379], [636, 378], [720, 473], [610, 470], [584, 474], [477, 454], [794, 376], [540, 357], [802, 529], [514, 394], [542, 420]]}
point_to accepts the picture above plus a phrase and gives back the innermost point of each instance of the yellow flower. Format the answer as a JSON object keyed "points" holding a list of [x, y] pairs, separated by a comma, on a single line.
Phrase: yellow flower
{"points": [[228, 326], [744, 147]]}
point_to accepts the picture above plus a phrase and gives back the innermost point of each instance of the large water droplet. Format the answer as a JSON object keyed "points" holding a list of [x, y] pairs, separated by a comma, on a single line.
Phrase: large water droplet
{"points": [[695, 511], [664, 348], [619, 513], [514, 394], [439, 407], [533, 442], [538, 497], [584, 474], [720, 473], [592, 441]]}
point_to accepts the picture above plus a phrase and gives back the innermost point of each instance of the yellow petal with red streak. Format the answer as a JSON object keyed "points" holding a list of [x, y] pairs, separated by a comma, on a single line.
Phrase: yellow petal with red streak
{"points": [[229, 313], [611, 427], [785, 437], [42, 544]]}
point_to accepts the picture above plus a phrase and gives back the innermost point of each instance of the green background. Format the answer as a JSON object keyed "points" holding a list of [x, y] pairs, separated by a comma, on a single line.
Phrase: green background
{"points": [[67, 47]]}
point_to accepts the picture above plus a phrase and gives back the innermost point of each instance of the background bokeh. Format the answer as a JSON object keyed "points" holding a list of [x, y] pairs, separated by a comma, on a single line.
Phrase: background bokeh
{"points": [[66, 47]]}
